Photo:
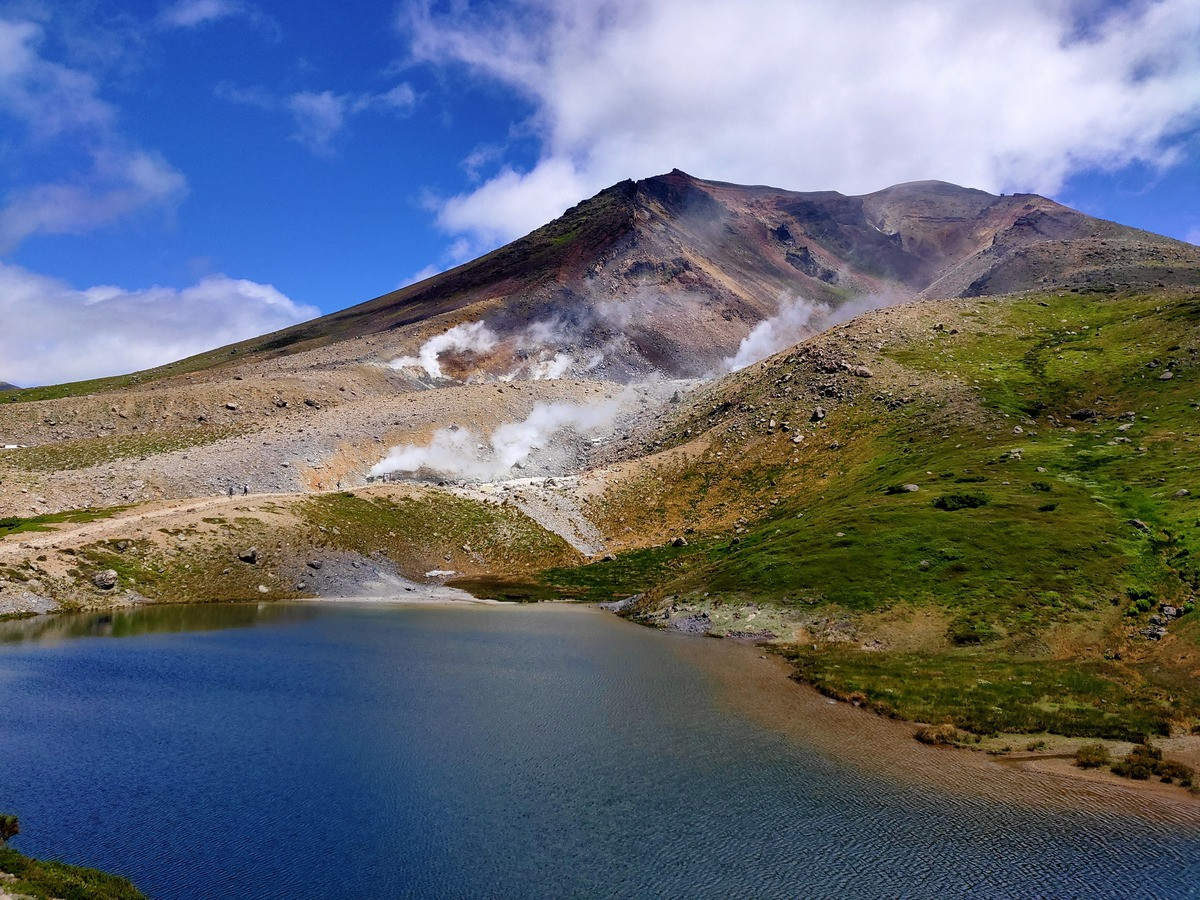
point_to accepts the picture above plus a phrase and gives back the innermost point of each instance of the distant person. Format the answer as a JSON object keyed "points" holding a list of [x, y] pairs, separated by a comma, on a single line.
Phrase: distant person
{"points": [[231, 490], [245, 490]]}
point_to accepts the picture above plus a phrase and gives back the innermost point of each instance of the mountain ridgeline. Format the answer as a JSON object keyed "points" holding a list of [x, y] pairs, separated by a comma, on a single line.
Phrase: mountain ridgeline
{"points": [[670, 273], [937, 444]]}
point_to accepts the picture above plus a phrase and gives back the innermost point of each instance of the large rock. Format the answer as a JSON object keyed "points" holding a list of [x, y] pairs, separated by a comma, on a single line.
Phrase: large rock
{"points": [[621, 605], [694, 624], [249, 555], [106, 580]]}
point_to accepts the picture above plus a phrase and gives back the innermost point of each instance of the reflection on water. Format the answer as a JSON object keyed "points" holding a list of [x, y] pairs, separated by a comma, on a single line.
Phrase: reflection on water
{"points": [[152, 619], [510, 751]]}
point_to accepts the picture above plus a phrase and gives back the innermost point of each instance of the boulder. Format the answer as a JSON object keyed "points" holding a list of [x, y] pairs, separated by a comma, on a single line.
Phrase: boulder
{"points": [[249, 555], [106, 580], [698, 623], [622, 605], [818, 414]]}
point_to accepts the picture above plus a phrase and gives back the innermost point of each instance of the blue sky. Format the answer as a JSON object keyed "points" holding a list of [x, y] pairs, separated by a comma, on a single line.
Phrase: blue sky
{"points": [[181, 174]]}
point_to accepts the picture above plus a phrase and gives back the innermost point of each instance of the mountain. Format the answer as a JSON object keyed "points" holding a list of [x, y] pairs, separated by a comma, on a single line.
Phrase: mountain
{"points": [[671, 273], [961, 490]]}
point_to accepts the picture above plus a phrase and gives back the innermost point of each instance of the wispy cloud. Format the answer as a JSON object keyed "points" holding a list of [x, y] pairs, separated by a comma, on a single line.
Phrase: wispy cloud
{"points": [[189, 14], [320, 116], [810, 95], [58, 110], [53, 332]]}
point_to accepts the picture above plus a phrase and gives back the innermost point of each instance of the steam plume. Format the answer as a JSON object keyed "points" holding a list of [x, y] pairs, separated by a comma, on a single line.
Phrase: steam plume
{"points": [[787, 327], [470, 337], [459, 452], [797, 319]]}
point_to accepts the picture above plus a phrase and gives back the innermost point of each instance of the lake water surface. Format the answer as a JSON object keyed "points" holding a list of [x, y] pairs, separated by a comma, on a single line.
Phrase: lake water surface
{"points": [[322, 750]]}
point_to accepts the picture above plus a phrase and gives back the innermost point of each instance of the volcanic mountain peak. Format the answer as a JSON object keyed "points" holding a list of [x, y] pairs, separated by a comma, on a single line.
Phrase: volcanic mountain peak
{"points": [[674, 275]]}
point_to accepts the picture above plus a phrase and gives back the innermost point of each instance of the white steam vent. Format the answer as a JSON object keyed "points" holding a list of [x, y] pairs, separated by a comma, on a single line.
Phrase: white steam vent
{"points": [[460, 453], [797, 319], [470, 337]]}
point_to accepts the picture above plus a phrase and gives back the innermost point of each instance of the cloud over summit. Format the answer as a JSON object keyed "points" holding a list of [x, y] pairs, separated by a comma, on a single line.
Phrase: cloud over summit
{"points": [[811, 95]]}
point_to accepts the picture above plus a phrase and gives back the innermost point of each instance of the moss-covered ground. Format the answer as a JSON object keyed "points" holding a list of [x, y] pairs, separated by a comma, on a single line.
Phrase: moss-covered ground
{"points": [[435, 530], [20, 524], [1057, 471], [48, 878]]}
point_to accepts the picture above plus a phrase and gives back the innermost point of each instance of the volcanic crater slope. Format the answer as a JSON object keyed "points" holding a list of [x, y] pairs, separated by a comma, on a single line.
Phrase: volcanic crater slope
{"points": [[949, 504], [671, 274], [955, 480]]}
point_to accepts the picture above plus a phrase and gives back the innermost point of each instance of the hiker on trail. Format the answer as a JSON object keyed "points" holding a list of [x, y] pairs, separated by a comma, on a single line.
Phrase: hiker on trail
{"points": [[245, 490], [231, 490]]}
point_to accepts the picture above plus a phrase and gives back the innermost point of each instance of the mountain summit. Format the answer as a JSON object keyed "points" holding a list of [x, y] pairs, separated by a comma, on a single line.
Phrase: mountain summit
{"points": [[965, 509], [671, 274]]}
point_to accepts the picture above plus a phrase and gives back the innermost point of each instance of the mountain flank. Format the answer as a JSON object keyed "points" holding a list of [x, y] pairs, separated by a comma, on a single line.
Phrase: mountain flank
{"points": [[936, 446], [668, 275]]}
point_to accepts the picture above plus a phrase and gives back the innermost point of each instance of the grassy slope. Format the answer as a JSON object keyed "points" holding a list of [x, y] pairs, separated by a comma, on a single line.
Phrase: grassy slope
{"points": [[81, 453], [37, 878], [197, 561], [1042, 588], [435, 530]]}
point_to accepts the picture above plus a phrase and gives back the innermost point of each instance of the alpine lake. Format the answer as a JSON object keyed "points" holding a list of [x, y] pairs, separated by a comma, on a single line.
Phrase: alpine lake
{"points": [[539, 750]]}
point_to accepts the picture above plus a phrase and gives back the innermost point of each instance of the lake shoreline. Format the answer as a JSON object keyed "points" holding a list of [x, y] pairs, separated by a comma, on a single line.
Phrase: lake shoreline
{"points": [[841, 725], [895, 738]]}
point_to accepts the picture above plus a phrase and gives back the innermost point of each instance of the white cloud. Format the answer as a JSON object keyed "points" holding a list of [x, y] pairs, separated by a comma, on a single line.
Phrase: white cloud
{"points": [[60, 111], [190, 13], [54, 333], [119, 183], [511, 203], [812, 95], [320, 116]]}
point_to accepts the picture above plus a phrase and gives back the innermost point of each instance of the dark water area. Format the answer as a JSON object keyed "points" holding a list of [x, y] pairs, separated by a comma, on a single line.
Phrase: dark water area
{"points": [[326, 751]]}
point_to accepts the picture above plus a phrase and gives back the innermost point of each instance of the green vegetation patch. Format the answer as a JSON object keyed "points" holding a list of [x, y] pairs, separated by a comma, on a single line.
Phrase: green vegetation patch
{"points": [[419, 531], [46, 879], [18, 524], [200, 570], [987, 694], [625, 574]]}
